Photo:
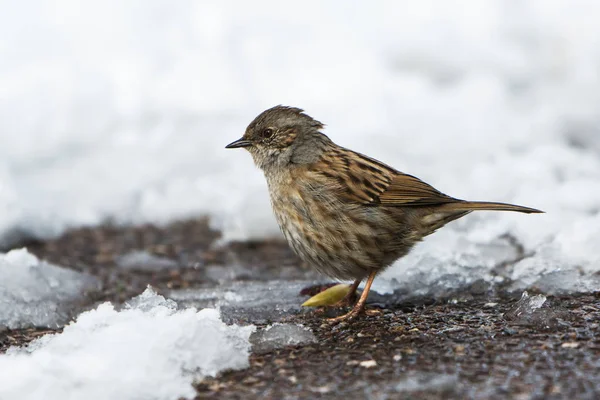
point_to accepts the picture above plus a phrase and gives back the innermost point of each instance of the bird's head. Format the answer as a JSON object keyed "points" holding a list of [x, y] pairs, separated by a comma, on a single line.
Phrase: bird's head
{"points": [[281, 136]]}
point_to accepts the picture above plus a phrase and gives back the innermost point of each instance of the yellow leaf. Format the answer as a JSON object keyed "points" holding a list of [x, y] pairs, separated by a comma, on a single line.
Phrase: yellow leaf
{"points": [[328, 297]]}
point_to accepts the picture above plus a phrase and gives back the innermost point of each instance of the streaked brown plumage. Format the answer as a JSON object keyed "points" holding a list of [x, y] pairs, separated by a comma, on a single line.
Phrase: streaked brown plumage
{"points": [[346, 214]]}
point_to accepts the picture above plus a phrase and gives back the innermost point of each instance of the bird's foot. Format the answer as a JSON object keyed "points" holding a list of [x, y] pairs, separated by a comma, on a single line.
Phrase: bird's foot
{"points": [[343, 318], [355, 312], [360, 304]]}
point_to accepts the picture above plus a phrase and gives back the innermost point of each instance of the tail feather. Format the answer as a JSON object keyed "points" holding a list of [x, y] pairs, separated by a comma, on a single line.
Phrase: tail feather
{"points": [[485, 205]]}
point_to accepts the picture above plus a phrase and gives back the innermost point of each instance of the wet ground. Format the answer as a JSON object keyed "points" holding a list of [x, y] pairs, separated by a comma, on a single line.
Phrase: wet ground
{"points": [[478, 343]]}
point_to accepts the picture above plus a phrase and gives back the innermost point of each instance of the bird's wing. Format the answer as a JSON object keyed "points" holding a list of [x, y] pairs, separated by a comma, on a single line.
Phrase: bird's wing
{"points": [[358, 178], [407, 190]]}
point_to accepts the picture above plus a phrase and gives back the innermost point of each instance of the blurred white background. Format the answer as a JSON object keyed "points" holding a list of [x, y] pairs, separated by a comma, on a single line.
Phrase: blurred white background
{"points": [[121, 110]]}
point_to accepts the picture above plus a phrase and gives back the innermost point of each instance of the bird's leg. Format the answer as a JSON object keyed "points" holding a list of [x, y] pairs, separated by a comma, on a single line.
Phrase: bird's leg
{"points": [[360, 304], [346, 300]]}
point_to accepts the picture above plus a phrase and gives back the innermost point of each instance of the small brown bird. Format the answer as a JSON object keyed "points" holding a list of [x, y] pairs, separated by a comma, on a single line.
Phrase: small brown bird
{"points": [[346, 214]]}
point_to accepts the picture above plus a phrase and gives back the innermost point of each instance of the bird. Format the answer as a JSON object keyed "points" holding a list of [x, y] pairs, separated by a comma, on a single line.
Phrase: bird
{"points": [[347, 215]]}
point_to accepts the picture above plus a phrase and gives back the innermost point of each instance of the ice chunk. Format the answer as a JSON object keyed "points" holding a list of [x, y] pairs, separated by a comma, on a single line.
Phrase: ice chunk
{"points": [[528, 311], [146, 351], [144, 261], [149, 301], [280, 335], [36, 293], [526, 305]]}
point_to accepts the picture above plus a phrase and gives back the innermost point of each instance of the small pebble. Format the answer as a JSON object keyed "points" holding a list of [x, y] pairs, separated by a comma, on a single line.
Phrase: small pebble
{"points": [[570, 345], [368, 364], [321, 389]]}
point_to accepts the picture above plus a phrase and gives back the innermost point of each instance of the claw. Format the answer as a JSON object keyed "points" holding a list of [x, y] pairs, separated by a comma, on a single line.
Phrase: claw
{"points": [[359, 306], [346, 317]]}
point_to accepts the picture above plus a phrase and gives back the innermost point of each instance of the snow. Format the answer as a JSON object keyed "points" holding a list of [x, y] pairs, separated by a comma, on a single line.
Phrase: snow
{"points": [[120, 110], [147, 351], [36, 293]]}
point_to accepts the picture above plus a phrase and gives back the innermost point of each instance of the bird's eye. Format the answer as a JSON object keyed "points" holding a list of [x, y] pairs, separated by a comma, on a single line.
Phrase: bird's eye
{"points": [[267, 133]]}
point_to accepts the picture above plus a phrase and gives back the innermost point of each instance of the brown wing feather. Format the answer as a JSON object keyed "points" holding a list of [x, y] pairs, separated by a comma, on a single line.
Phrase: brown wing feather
{"points": [[361, 179], [407, 190]]}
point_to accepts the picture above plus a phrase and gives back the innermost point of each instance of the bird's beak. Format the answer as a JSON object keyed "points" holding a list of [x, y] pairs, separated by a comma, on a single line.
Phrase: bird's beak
{"points": [[239, 143]]}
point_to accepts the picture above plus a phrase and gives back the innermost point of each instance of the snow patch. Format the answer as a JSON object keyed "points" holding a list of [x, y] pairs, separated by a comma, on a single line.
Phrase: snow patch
{"points": [[148, 350]]}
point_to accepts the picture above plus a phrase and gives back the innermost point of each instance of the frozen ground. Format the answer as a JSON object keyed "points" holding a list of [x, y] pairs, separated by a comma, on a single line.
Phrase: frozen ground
{"points": [[150, 349], [120, 110], [256, 302], [36, 293]]}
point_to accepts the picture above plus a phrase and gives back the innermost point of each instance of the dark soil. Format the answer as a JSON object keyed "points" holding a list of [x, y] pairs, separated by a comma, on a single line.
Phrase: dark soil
{"points": [[437, 351], [430, 348]]}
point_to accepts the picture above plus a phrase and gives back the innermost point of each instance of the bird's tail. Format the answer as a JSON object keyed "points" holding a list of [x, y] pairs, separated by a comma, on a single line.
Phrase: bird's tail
{"points": [[450, 211], [485, 205]]}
